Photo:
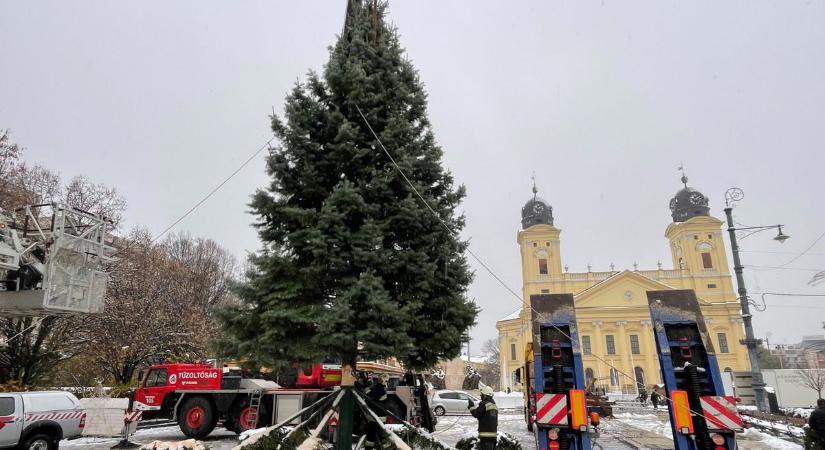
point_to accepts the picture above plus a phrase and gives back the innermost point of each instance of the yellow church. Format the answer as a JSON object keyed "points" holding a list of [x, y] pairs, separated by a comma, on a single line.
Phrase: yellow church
{"points": [[611, 307]]}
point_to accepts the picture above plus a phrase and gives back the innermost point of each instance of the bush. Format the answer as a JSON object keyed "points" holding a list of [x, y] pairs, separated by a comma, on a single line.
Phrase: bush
{"points": [[420, 441], [276, 440], [505, 442]]}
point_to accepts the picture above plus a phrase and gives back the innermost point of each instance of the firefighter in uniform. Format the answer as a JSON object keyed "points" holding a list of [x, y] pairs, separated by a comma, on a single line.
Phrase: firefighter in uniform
{"points": [[487, 414], [378, 394]]}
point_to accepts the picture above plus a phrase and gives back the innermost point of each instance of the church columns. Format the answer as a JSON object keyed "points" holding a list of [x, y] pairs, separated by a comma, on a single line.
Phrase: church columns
{"points": [[736, 335], [623, 346], [597, 345], [648, 343]]}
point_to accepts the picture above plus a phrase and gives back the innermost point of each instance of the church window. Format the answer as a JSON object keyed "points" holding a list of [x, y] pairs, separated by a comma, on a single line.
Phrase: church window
{"points": [[634, 344], [710, 236], [611, 344], [545, 291], [707, 263], [586, 345], [547, 244], [711, 285], [695, 237], [535, 244], [723, 342], [542, 267], [513, 352]]}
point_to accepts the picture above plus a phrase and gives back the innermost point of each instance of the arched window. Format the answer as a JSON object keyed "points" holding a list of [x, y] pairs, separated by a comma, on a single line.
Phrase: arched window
{"points": [[588, 375], [640, 377], [728, 369]]}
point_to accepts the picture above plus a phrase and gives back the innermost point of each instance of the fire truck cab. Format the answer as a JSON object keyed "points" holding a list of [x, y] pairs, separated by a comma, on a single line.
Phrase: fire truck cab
{"points": [[199, 396]]}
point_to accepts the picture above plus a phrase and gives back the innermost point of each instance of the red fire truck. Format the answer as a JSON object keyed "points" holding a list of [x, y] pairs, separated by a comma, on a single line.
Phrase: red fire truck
{"points": [[199, 397]]}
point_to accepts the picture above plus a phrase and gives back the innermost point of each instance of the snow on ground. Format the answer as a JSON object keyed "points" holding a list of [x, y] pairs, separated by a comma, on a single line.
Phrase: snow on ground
{"points": [[451, 429], [220, 439], [798, 412], [647, 422], [754, 435], [751, 438]]}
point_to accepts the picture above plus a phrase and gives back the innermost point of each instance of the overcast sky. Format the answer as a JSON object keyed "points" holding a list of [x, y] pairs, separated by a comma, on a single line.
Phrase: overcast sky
{"points": [[602, 99]]}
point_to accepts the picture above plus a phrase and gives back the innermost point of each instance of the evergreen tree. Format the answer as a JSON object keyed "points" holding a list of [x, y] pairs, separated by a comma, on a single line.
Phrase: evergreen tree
{"points": [[353, 263]]}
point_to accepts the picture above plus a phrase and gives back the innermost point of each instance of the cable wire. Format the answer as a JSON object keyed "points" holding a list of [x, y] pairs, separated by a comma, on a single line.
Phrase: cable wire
{"points": [[266, 145], [804, 251]]}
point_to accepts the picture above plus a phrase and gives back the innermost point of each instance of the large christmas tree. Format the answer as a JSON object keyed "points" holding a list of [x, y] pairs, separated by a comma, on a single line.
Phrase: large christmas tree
{"points": [[353, 263]]}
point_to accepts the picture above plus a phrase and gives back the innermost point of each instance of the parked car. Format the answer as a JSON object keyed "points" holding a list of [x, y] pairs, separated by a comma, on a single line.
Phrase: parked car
{"points": [[39, 420], [451, 402]]}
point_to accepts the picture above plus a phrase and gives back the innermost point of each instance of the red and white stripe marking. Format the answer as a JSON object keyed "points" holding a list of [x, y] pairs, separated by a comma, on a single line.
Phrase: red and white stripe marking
{"points": [[720, 414], [551, 409], [55, 416], [132, 416]]}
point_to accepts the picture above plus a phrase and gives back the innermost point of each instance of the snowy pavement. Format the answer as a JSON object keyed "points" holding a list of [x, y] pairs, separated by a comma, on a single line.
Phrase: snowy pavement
{"points": [[751, 439], [220, 439], [615, 434], [451, 429]]}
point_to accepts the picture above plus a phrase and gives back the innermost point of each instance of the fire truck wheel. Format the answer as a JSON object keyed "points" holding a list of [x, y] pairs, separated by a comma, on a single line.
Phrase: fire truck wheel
{"points": [[197, 417], [241, 416]]}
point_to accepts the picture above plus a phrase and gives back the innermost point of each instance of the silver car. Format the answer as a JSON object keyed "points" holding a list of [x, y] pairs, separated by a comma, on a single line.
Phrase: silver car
{"points": [[39, 420], [451, 402]]}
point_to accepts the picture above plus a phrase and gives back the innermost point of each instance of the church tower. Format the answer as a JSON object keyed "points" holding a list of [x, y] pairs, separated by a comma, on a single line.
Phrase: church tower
{"points": [[697, 244], [539, 244]]}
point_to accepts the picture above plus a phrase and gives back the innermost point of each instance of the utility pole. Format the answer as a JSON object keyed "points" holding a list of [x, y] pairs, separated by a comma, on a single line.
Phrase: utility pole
{"points": [[731, 196], [747, 318]]}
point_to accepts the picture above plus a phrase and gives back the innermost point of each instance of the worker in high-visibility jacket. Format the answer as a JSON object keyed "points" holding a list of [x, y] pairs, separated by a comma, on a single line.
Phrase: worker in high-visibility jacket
{"points": [[487, 414]]}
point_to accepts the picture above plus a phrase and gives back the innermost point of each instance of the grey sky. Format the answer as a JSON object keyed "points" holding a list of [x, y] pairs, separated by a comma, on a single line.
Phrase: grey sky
{"points": [[602, 99]]}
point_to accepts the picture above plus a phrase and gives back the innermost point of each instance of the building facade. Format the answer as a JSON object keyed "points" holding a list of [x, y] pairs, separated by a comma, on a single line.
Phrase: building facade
{"points": [[614, 325], [808, 354]]}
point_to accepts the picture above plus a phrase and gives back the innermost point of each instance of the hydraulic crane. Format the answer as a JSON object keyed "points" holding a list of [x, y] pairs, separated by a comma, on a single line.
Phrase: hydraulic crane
{"points": [[52, 260], [558, 409], [701, 417]]}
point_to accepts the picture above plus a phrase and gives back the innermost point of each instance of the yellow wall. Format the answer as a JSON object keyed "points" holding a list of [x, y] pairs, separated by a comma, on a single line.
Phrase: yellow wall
{"points": [[615, 303]]}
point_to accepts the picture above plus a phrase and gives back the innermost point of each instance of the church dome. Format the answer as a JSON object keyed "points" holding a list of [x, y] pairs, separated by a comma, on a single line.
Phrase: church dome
{"points": [[688, 203], [536, 212]]}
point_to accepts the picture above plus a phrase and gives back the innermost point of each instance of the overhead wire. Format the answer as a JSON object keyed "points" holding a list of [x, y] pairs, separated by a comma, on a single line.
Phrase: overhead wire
{"points": [[266, 145], [769, 268], [804, 251], [480, 261]]}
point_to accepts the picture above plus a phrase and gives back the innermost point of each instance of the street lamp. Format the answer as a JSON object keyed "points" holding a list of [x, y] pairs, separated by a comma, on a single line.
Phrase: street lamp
{"points": [[731, 196]]}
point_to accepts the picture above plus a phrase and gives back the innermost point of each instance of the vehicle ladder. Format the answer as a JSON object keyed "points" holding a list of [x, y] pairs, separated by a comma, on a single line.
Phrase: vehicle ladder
{"points": [[254, 406]]}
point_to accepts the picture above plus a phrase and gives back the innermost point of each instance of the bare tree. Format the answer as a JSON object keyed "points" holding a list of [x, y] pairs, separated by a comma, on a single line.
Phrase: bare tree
{"points": [[96, 198], [9, 159], [159, 303], [813, 379], [212, 268], [491, 369]]}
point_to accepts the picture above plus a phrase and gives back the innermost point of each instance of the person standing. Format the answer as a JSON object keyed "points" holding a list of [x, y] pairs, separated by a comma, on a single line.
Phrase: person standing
{"points": [[654, 398], [817, 423], [487, 414], [377, 392]]}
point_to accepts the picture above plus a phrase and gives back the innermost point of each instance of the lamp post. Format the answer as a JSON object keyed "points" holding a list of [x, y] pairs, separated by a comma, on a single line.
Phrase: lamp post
{"points": [[751, 342]]}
